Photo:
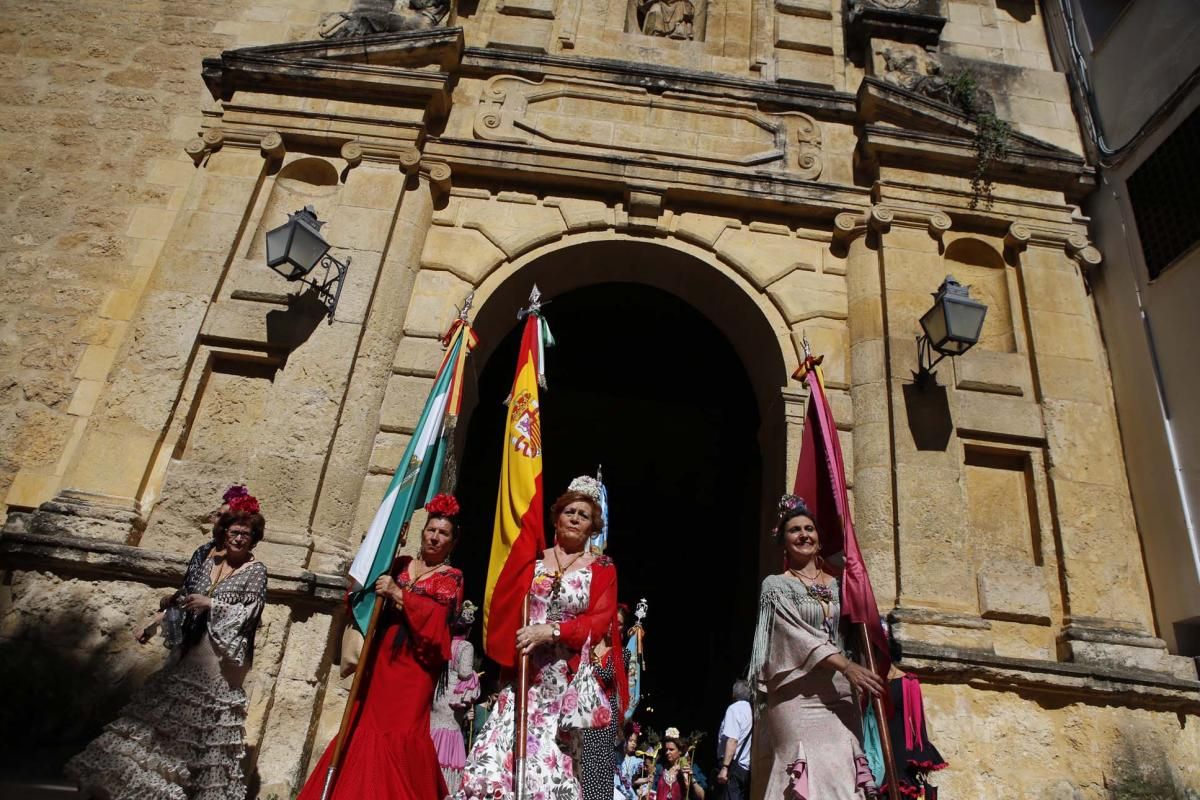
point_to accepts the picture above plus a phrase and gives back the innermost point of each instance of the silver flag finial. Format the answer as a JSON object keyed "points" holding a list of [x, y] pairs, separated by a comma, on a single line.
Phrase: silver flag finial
{"points": [[466, 306], [535, 303]]}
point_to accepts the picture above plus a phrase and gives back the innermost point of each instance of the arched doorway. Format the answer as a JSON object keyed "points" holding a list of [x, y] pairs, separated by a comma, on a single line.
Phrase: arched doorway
{"points": [[645, 384]]}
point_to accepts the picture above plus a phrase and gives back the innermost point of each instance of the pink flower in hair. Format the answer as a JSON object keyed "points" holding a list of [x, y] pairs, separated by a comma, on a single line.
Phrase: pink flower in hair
{"points": [[235, 491]]}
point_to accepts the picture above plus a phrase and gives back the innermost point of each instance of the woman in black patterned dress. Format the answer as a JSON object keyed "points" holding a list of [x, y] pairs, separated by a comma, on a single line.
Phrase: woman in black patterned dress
{"points": [[601, 753], [181, 737]]}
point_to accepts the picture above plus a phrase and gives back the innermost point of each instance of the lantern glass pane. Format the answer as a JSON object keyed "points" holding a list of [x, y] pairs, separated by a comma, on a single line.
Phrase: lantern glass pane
{"points": [[306, 249], [964, 320], [277, 244], [934, 325]]}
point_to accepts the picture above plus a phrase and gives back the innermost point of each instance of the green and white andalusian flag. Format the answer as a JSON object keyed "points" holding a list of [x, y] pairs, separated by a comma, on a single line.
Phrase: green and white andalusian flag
{"points": [[417, 479]]}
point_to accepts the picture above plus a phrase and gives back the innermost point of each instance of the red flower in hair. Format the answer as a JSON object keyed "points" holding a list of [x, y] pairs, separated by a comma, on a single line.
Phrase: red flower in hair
{"points": [[247, 504], [442, 505]]}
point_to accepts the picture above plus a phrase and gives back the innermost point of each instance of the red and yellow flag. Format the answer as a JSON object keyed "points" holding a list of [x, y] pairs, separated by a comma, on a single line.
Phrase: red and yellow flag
{"points": [[519, 533]]}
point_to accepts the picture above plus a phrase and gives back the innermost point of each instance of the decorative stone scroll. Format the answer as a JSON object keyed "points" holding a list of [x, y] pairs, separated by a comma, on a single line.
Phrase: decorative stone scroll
{"points": [[634, 123], [1076, 245]]}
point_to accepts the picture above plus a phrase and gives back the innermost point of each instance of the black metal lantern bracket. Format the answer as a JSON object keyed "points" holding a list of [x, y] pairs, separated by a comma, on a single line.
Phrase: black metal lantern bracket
{"points": [[296, 248], [950, 327], [329, 290]]}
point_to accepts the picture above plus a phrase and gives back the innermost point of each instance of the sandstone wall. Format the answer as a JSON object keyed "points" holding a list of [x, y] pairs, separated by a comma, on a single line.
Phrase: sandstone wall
{"points": [[792, 172]]}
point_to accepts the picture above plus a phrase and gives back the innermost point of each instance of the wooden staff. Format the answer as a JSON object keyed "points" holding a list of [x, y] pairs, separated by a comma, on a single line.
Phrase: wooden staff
{"points": [[520, 714], [885, 737], [364, 656]]}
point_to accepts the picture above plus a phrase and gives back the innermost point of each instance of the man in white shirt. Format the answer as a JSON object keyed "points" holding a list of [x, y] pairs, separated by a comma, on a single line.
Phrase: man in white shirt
{"points": [[733, 744]]}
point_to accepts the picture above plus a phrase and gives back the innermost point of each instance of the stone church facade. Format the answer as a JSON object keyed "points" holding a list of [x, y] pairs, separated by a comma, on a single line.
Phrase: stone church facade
{"points": [[790, 168]]}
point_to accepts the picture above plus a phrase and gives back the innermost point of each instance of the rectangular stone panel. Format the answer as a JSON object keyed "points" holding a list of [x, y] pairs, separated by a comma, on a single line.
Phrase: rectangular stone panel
{"points": [[1001, 507], [520, 33], [810, 34]]}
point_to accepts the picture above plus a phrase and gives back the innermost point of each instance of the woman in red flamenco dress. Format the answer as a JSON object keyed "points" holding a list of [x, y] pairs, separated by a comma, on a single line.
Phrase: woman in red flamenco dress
{"points": [[390, 754]]}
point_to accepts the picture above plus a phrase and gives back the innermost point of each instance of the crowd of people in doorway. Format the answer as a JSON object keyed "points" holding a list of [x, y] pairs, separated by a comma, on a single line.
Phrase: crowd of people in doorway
{"points": [[794, 729]]}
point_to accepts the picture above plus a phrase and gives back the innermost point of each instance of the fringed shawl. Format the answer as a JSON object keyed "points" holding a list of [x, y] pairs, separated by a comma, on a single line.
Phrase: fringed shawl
{"points": [[789, 598]]}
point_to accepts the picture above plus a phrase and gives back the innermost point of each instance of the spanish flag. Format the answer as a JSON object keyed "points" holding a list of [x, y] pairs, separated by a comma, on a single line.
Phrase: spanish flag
{"points": [[519, 534]]}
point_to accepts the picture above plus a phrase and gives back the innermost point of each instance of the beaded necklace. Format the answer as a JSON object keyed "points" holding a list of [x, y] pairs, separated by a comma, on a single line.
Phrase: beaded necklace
{"points": [[822, 594]]}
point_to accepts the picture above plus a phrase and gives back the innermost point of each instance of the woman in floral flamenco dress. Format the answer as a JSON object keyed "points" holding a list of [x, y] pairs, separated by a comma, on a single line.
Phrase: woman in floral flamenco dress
{"points": [[573, 602]]}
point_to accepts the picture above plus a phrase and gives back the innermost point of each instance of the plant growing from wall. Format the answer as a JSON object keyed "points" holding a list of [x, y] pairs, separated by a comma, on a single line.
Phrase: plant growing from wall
{"points": [[991, 133]]}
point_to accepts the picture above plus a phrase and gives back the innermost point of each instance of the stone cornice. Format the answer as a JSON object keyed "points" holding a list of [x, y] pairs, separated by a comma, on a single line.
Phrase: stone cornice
{"points": [[389, 69], [901, 126], [713, 186], [1086, 682], [90, 558]]}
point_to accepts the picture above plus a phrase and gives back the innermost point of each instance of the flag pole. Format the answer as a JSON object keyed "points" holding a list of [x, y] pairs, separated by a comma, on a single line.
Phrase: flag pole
{"points": [[351, 701], [811, 364], [520, 714], [885, 735], [356, 687]]}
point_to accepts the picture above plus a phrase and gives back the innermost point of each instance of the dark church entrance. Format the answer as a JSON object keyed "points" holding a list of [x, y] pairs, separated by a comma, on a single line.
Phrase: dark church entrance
{"points": [[643, 384]]}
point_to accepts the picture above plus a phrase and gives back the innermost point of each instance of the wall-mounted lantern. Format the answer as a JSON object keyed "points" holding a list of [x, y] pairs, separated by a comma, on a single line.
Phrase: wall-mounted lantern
{"points": [[296, 248], [952, 326]]}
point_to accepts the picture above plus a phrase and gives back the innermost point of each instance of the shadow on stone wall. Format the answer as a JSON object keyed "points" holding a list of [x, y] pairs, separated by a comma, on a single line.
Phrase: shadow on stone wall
{"points": [[57, 697], [1140, 768]]}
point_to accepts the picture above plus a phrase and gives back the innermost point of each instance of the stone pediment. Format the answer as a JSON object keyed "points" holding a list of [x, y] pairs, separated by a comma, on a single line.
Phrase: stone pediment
{"points": [[384, 68], [899, 124]]}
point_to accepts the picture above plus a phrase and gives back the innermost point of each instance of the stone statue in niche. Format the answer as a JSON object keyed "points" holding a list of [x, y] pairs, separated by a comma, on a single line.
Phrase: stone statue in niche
{"points": [[384, 16], [673, 19]]}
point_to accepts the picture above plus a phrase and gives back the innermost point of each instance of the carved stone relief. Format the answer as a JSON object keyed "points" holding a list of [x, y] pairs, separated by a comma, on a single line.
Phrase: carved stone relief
{"points": [[634, 123], [384, 16], [914, 68], [670, 19]]}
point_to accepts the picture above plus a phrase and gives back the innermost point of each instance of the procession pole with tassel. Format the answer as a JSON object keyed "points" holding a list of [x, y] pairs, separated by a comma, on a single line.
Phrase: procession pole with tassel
{"points": [[521, 714], [419, 470]]}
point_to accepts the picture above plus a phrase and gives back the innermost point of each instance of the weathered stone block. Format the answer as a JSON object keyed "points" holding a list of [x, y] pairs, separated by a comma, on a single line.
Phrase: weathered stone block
{"points": [[997, 415], [388, 450], [467, 253], [702, 229], [583, 215], [803, 295], [764, 257], [1064, 335], [367, 187], [989, 371], [811, 34], [402, 403], [520, 33], [418, 356], [517, 227], [1084, 443], [1014, 592], [539, 9], [432, 306]]}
